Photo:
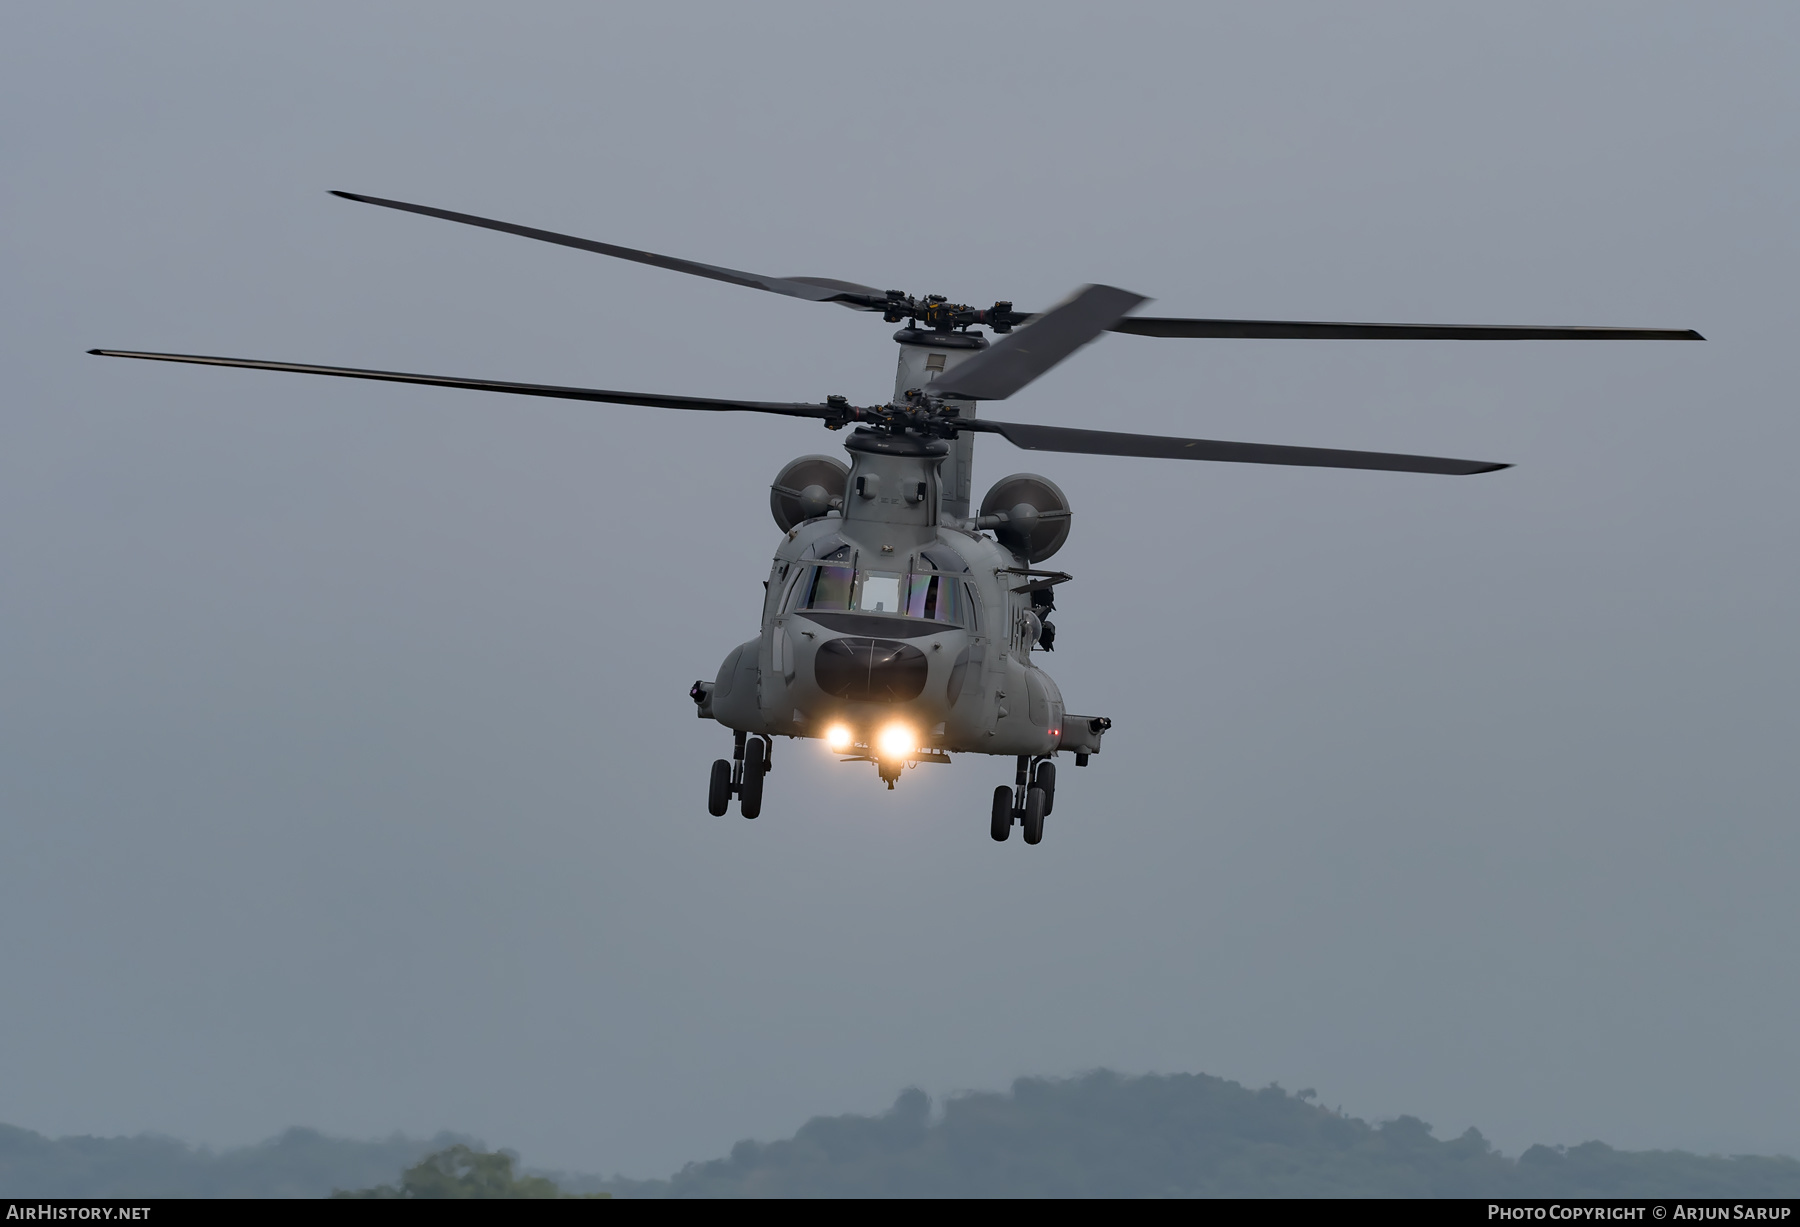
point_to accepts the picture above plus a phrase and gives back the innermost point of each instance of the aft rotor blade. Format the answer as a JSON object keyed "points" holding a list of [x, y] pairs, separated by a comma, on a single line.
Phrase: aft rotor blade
{"points": [[793, 409], [1165, 447], [1153, 326], [1020, 357], [813, 289]]}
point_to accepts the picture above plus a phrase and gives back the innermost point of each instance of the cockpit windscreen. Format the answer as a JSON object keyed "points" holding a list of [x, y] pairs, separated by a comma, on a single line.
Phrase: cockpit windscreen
{"points": [[937, 598]]}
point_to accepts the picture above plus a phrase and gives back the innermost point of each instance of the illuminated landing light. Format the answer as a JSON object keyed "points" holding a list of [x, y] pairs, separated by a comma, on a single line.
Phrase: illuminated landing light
{"points": [[839, 738], [897, 742]]}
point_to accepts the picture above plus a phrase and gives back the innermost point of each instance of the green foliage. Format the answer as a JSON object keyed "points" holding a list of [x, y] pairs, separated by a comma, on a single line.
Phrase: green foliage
{"points": [[1187, 1135], [461, 1172]]}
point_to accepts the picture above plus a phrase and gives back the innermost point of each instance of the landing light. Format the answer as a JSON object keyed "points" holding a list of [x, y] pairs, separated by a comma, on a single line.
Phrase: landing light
{"points": [[897, 742], [838, 738]]}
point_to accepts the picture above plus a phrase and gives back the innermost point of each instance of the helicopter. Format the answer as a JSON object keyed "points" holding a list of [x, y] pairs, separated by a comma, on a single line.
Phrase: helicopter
{"points": [[900, 620]]}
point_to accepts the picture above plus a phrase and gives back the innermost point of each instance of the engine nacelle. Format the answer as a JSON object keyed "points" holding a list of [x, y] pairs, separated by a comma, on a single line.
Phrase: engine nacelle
{"points": [[1030, 514], [806, 489]]}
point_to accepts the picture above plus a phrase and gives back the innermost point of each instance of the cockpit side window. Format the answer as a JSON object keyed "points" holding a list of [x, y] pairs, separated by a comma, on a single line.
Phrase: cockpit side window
{"points": [[921, 596], [824, 588], [937, 597]]}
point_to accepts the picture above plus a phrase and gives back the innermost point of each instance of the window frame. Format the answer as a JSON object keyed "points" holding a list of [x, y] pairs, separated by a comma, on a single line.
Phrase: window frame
{"points": [[802, 582]]}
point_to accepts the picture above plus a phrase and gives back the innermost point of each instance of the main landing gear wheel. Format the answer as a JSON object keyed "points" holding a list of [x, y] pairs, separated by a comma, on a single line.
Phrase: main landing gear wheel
{"points": [[1046, 780], [1033, 821], [756, 765], [1001, 826], [718, 793]]}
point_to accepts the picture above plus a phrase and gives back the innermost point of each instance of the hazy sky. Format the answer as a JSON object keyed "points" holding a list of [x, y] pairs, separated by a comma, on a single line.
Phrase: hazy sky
{"points": [[347, 772]]}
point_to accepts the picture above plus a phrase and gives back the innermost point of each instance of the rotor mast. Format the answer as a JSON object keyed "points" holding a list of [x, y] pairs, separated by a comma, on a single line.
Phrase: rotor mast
{"points": [[925, 356]]}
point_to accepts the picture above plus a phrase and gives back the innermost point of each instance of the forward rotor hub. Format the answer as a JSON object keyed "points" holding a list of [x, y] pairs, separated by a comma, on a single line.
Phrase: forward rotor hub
{"points": [[924, 415]]}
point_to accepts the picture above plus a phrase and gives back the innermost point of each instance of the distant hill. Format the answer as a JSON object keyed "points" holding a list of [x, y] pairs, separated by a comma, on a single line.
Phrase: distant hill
{"points": [[1099, 1135], [1186, 1135], [298, 1163]]}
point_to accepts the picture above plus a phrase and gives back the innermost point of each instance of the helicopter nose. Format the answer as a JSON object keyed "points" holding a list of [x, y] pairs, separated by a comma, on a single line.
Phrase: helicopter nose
{"points": [[870, 670]]}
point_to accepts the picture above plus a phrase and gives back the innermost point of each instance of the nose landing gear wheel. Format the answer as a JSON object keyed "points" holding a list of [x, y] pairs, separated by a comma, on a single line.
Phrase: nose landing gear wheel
{"points": [[755, 767], [1001, 826], [718, 793], [1033, 821]]}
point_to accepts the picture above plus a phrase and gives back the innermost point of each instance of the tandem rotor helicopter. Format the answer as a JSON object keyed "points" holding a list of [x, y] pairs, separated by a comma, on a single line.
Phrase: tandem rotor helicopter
{"points": [[900, 620]]}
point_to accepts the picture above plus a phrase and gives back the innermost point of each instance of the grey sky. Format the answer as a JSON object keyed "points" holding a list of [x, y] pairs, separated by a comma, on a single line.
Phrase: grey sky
{"points": [[347, 775]]}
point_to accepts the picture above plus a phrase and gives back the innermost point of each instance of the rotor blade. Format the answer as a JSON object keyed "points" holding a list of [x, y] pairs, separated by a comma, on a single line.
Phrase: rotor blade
{"points": [[813, 289], [1153, 326], [794, 409], [1165, 447], [1020, 357]]}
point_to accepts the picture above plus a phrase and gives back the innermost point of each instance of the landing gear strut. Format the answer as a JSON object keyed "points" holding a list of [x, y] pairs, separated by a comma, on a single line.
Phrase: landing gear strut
{"points": [[1027, 802], [741, 777]]}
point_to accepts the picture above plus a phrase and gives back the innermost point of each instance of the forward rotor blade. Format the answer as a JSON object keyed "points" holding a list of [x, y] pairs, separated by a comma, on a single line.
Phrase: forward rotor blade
{"points": [[793, 409], [1020, 357], [1165, 447], [1153, 326], [813, 289]]}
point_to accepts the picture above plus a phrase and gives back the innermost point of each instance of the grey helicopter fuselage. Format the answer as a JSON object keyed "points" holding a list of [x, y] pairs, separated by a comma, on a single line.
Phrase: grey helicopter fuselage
{"points": [[894, 627], [889, 611]]}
